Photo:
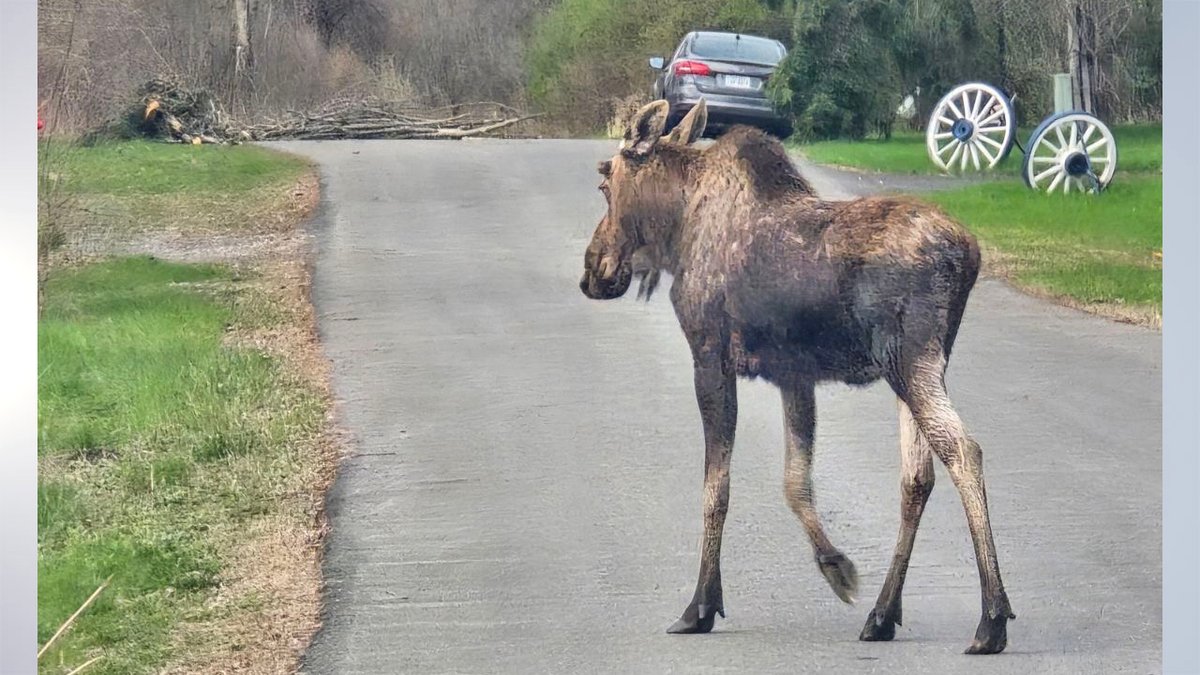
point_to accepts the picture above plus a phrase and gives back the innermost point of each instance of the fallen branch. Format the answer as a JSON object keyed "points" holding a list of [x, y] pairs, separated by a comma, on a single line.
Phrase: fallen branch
{"points": [[365, 120], [67, 624]]}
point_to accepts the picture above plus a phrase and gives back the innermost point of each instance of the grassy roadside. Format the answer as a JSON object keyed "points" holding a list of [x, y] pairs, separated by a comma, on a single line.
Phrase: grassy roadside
{"points": [[1139, 146], [183, 445], [1098, 253]]}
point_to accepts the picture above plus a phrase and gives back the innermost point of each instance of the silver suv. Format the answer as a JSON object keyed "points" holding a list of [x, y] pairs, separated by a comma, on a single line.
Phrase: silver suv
{"points": [[730, 72]]}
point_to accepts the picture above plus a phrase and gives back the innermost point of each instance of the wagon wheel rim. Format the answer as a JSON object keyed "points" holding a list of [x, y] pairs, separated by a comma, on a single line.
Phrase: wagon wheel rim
{"points": [[972, 127], [1066, 151]]}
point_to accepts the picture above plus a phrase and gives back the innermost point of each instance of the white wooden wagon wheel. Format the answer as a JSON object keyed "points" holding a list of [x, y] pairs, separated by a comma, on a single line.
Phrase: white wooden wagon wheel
{"points": [[1072, 152], [974, 125]]}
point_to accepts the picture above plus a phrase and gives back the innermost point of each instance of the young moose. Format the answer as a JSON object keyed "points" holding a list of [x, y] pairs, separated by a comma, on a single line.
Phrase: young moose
{"points": [[772, 282]]}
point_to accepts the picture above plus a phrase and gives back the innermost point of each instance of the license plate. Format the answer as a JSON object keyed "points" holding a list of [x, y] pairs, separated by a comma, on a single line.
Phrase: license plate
{"points": [[741, 82]]}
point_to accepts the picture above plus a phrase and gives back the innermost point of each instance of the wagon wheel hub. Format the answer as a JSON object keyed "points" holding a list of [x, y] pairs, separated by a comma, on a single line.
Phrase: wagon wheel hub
{"points": [[1077, 164], [963, 130]]}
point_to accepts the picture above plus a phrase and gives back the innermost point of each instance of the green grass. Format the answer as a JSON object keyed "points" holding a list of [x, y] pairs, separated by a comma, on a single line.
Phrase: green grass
{"points": [[155, 436], [161, 438], [1097, 250], [134, 186], [1139, 149], [148, 168]]}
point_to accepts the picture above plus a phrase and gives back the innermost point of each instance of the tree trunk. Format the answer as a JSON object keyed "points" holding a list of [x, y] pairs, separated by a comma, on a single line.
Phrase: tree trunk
{"points": [[1089, 63], [1073, 57], [1083, 58], [243, 54]]}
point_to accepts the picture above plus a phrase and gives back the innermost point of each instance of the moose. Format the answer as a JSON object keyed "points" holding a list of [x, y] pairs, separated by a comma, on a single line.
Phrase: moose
{"points": [[771, 282]]}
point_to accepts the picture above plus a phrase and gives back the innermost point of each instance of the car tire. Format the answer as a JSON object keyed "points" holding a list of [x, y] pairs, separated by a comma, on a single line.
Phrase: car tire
{"points": [[673, 121], [781, 130]]}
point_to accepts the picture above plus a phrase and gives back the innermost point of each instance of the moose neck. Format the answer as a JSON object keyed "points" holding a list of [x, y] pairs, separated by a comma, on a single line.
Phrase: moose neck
{"points": [[747, 157], [659, 232]]}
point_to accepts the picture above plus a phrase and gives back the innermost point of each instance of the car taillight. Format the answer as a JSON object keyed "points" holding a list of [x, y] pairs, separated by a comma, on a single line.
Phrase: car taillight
{"points": [[692, 68]]}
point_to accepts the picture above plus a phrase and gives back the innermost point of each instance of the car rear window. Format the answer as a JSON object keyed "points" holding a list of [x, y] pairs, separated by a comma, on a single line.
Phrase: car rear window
{"points": [[734, 48]]}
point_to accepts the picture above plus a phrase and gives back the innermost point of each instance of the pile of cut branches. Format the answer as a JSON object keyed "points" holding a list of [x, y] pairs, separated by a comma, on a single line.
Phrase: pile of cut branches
{"points": [[169, 111], [360, 119], [166, 110]]}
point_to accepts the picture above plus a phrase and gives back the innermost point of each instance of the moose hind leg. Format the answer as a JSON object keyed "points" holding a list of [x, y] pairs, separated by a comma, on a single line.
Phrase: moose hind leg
{"points": [[941, 426], [799, 411], [916, 483]]}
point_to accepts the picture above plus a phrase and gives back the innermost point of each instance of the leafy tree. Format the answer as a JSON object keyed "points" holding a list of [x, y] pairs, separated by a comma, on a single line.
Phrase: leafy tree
{"points": [[842, 77]]}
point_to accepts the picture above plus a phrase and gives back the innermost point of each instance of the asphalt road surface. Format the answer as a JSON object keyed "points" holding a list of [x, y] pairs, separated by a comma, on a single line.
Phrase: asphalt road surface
{"points": [[524, 492]]}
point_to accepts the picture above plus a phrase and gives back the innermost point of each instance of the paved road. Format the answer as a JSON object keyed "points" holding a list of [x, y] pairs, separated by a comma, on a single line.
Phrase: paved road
{"points": [[525, 494]]}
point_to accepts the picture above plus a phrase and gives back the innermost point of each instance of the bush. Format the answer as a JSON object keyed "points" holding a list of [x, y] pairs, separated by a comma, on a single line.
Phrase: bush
{"points": [[841, 77]]}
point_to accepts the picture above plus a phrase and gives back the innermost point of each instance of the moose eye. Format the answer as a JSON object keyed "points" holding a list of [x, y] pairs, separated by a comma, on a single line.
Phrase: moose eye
{"points": [[604, 190]]}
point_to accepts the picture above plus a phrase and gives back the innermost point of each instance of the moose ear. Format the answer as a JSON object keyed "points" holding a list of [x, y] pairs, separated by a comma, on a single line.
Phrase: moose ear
{"points": [[646, 128], [691, 127]]}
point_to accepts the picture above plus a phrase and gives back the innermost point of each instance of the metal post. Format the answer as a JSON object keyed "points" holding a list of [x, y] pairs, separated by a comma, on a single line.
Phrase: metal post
{"points": [[1063, 99]]}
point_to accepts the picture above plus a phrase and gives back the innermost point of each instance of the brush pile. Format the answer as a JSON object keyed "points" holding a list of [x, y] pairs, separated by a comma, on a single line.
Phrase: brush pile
{"points": [[168, 111], [367, 118], [164, 110]]}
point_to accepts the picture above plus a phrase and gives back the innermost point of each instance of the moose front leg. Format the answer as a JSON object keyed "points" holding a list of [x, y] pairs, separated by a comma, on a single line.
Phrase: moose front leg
{"points": [[716, 393]]}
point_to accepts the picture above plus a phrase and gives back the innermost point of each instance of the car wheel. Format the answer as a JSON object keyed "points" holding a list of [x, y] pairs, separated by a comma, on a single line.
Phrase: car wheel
{"points": [[673, 121], [782, 130]]}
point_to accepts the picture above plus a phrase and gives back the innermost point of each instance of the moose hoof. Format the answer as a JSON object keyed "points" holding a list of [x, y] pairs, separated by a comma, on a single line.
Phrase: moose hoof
{"points": [[991, 637], [840, 574], [696, 619], [877, 630]]}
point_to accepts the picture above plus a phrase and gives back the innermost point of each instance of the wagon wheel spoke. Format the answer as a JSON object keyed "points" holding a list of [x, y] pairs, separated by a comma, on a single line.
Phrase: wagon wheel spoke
{"points": [[987, 107], [955, 110], [1041, 176], [1088, 134], [965, 155], [994, 116], [966, 101], [993, 129], [943, 135], [945, 120], [1054, 183], [1074, 135], [1045, 142], [1062, 142], [1097, 145], [991, 141], [954, 155], [941, 151], [978, 109], [975, 154], [991, 159], [1044, 160]]}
